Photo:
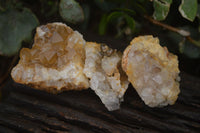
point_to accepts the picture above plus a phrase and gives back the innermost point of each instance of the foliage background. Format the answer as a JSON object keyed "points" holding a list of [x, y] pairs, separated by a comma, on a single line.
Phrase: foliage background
{"points": [[175, 22]]}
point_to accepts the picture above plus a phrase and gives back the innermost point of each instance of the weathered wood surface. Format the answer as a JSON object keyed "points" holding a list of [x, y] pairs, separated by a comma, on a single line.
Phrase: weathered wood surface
{"points": [[28, 110]]}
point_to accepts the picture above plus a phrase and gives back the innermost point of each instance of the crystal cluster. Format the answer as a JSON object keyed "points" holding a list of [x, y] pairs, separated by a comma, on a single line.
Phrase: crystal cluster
{"points": [[152, 70], [55, 62], [60, 59], [103, 68]]}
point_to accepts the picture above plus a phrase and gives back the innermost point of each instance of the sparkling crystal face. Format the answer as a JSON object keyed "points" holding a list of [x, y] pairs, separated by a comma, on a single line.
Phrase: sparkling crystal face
{"points": [[54, 46], [150, 78], [152, 70], [103, 68], [55, 62]]}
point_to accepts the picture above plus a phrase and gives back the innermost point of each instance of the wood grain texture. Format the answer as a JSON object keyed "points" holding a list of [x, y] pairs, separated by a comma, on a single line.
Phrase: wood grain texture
{"points": [[28, 110]]}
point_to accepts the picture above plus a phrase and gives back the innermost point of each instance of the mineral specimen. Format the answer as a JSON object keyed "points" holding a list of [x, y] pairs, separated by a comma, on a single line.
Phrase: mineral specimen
{"points": [[103, 68], [55, 62], [152, 70]]}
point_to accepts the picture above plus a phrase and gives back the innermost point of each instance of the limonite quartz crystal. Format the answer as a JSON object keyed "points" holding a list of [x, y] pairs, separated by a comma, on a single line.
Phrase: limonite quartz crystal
{"points": [[60, 59], [103, 68], [55, 62], [152, 70]]}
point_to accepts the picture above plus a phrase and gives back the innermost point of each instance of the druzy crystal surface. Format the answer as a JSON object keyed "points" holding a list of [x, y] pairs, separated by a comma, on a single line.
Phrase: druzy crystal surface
{"points": [[103, 68], [55, 62], [152, 70]]}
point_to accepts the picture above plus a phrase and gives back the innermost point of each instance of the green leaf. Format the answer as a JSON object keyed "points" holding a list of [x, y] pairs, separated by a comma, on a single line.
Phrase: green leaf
{"points": [[184, 46], [188, 9], [198, 10], [191, 50], [161, 9], [198, 16], [71, 11], [15, 27], [130, 21], [108, 18], [115, 15], [103, 25]]}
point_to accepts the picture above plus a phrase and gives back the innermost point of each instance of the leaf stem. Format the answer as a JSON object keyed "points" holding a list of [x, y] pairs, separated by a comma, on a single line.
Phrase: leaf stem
{"points": [[197, 43], [182, 32]]}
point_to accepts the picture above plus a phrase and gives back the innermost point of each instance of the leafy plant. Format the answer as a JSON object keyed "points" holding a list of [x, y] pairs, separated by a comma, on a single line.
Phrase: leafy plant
{"points": [[129, 13], [15, 26], [121, 14], [18, 22], [187, 8], [161, 9], [71, 11]]}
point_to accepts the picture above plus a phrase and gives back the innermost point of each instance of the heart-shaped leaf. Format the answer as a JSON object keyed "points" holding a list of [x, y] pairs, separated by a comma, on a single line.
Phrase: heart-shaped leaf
{"points": [[71, 11], [161, 9], [186, 47], [15, 26], [188, 9], [191, 50]]}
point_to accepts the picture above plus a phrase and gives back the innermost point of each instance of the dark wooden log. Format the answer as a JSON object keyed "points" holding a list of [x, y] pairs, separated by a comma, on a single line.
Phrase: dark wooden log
{"points": [[28, 110]]}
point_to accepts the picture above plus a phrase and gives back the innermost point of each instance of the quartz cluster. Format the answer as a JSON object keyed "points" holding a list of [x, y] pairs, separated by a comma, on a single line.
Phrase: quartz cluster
{"points": [[103, 68], [55, 62], [152, 70], [60, 59]]}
